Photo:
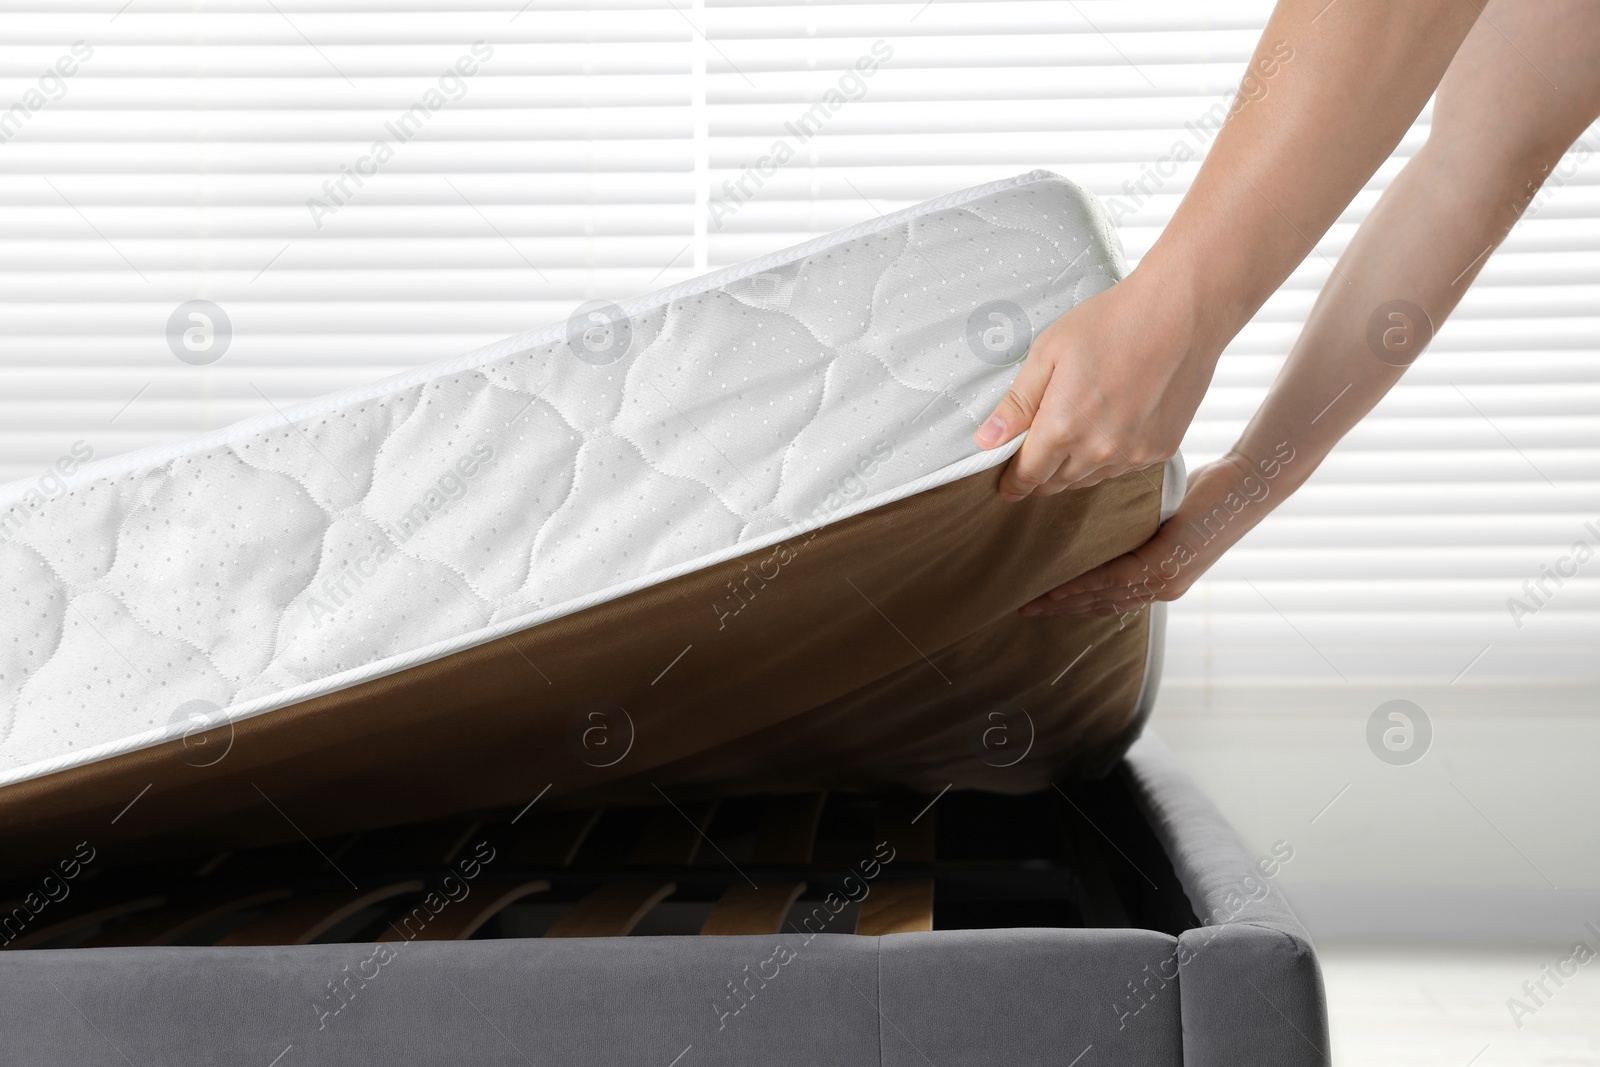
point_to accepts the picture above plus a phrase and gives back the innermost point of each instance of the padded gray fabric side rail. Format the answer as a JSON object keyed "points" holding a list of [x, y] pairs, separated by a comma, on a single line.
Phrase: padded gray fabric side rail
{"points": [[956, 999], [1248, 979]]}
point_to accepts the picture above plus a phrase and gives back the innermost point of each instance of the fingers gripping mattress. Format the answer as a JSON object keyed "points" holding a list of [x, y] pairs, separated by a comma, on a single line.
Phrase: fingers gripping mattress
{"points": [[731, 535]]}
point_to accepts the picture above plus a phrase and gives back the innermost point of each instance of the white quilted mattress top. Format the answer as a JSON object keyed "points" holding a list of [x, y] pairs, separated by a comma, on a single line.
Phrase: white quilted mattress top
{"points": [[375, 529]]}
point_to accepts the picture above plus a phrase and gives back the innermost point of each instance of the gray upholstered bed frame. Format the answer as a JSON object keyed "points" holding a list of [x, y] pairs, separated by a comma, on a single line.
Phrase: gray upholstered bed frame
{"points": [[1230, 980]]}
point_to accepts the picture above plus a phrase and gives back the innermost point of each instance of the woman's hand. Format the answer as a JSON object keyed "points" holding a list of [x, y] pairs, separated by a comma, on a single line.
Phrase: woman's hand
{"points": [[1113, 383], [1224, 500], [1107, 388]]}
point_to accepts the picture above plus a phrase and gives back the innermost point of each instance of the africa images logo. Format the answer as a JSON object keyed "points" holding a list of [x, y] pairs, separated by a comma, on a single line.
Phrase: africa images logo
{"points": [[1399, 732]]}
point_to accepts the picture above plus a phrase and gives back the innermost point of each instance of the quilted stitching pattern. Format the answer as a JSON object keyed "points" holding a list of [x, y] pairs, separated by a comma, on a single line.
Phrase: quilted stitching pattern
{"points": [[378, 528]]}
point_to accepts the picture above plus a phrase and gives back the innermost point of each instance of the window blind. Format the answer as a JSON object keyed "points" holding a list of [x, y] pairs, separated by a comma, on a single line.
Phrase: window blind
{"points": [[359, 186]]}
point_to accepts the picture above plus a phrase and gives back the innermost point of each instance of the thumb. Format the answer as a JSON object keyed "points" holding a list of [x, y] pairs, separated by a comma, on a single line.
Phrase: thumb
{"points": [[1021, 403]]}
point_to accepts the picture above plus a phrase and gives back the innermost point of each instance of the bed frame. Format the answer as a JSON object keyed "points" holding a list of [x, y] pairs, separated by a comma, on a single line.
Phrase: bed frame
{"points": [[1119, 921]]}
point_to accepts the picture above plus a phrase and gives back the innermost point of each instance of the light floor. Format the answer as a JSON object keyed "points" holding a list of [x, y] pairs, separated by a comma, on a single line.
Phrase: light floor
{"points": [[1427, 1006]]}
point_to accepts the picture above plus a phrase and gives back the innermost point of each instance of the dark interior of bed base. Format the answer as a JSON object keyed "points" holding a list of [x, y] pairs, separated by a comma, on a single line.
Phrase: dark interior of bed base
{"points": [[1076, 855]]}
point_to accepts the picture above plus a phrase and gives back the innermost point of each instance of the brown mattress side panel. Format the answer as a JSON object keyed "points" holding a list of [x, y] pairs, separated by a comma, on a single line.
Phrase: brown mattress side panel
{"points": [[881, 648]]}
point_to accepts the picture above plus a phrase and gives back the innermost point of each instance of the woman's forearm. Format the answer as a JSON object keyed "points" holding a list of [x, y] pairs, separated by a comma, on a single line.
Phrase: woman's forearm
{"points": [[1400, 278], [1111, 385], [1403, 273], [1293, 155], [1502, 119]]}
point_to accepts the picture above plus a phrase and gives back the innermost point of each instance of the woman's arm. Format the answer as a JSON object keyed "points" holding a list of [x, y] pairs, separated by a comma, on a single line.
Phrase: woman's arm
{"points": [[1499, 126], [1112, 385]]}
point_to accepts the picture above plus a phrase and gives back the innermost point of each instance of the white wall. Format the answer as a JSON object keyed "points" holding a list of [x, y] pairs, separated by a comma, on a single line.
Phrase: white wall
{"points": [[1491, 836]]}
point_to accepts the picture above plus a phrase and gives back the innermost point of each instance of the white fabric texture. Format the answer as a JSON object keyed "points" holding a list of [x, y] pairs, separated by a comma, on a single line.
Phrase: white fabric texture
{"points": [[373, 530]]}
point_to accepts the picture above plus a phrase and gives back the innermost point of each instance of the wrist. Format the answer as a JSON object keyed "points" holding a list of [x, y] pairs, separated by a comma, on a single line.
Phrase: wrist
{"points": [[1230, 496], [1176, 287], [1282, 462], [1211, 274]]}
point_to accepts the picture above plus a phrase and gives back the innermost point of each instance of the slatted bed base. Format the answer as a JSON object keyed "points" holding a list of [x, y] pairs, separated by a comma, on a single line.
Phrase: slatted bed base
{"points": [[955, 927], [840, 863]]}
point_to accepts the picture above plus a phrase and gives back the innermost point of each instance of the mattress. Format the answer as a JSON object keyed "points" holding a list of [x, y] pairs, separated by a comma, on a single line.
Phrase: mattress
{"points": [[731, 534]]}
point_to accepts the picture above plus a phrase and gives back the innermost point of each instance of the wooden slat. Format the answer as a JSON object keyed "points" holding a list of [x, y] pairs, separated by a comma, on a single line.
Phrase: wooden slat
{"points": [[747, 909], [672, 836], [787, 833], [459, 920], [551, 840], [905, 821], [612, 910], [36, 936], [897, 908], [284, 862], [168, 923], [432, 844], [210, 866], [304, 919]]}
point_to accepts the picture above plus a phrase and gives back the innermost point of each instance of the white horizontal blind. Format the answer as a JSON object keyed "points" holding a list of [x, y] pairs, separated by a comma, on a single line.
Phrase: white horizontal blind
{"points": [[605, 149]]}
